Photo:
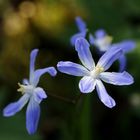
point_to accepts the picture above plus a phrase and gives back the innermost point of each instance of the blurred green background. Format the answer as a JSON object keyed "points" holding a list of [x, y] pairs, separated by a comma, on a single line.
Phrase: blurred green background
{"points": [[66, 114]]}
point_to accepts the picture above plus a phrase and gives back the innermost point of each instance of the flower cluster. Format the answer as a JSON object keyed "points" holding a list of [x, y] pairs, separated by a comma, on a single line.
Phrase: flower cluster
{"points": [[102, 41], [93, 75]]}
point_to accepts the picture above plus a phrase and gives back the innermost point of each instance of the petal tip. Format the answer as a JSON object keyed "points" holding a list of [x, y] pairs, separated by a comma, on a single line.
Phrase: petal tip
{"points": [[9, 111], [81, 41], [31, 132], [59, 63], [5, 114], [34, 52], [129, 77], [54, 71], [78, 18], [110, 103]]}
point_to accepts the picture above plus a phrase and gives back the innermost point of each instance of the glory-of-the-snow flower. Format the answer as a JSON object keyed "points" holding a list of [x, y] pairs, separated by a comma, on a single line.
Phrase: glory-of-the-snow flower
{"points": [[31, 94], [103, 41], [92, 75]]}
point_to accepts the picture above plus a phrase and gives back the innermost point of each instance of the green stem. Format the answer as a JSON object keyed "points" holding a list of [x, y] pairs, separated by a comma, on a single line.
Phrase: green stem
{"points": [[84, 119]]}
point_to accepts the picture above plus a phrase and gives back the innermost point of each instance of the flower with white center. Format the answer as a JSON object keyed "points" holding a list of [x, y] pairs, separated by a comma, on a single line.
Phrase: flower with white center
{"points": [[103, 42], [92, 75], [32, 94], [82, 27]]}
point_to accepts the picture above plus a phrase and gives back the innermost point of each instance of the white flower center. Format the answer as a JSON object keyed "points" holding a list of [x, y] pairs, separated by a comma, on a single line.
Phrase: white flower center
{"points": [[26, 88], [96, 72], [103, 43]]}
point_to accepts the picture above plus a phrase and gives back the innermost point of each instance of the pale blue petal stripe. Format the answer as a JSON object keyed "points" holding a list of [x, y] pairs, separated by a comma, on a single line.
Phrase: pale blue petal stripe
{"points": [[115, 78], [106, 99], [109, 57], [72, 68], [82, 47], [76, 36], [32, 116], [126, 46], [39, 94], [32, 64], [87, 84], [122, 62], [15, 107]]}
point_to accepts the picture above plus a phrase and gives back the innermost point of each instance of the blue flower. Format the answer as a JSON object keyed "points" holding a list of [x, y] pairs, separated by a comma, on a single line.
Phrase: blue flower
{"points": [[103, 42], [32, 94], [82, 27], [92, 75]]}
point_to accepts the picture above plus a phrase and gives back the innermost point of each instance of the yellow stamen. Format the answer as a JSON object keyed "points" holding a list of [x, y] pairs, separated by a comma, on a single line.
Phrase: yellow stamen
{"points": [[99, 69], [108, 39], [95, 73], [21, 88]]}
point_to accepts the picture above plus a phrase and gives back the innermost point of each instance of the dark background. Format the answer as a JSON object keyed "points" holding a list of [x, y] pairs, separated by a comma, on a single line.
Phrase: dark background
{"points": [[66, 114]]}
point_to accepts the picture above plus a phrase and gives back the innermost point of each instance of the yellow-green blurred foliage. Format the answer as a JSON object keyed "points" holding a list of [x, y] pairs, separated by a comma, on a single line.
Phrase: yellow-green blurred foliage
{"points": [[18, 24]]}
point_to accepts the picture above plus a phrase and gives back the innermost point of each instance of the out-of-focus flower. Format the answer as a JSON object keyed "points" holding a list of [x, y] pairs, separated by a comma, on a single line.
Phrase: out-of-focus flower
{"points": [[14, 24], [92, 75], [32, 94], [27, 9], [103, 42], [135, 100], [47, 17], [82, 27]]}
